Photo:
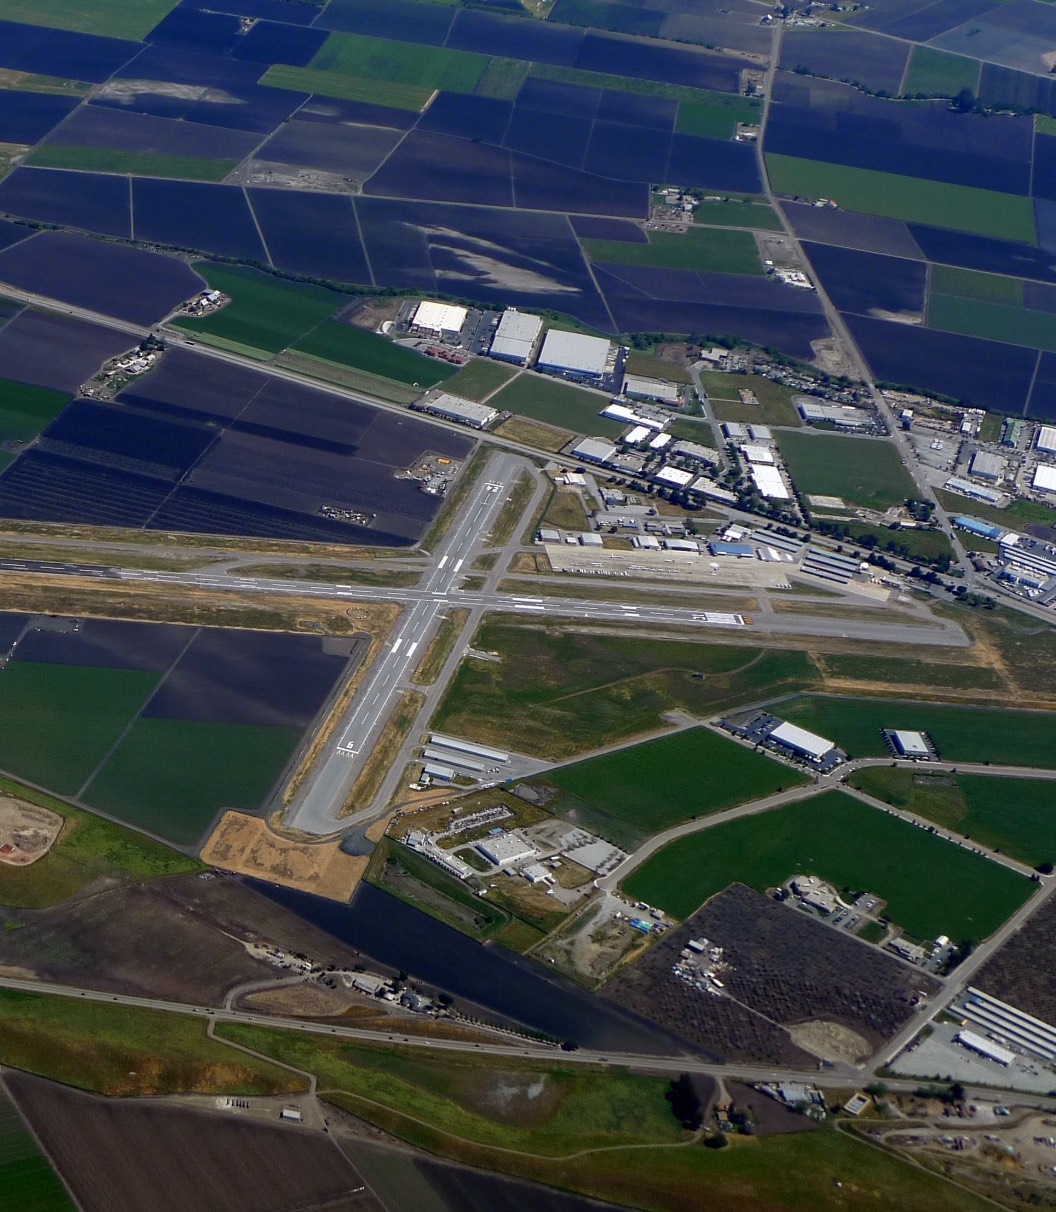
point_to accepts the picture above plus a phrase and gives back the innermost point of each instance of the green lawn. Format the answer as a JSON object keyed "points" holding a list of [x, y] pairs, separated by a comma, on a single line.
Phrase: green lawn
{"points": [[973, 284], [171, 777], [932, 886], [265, 313], [562, 693], [26, 1178], [429, 67], [126, 1050], [674, 779], [961, 207], [557, 403], [136, 164], [936, 73], [706, 248], [350, 346], [1015, 816], [717, 118], [961, 734], [347, 88], [1015, 517], [114, 18], [865, 471], [57, 722], [88, 848], [25, 410], [479, 378], [993, 321]]}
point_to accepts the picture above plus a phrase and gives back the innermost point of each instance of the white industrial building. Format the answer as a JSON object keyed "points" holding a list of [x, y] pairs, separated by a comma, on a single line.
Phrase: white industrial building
{"points": [[516, 336], [573, 353], [441, 320], [633, 416], [843, 416], [593, 450], [695, 452], [757, 454], [1046, 439], [770, 482], [674, 477], [1010, 1024], [506, 848], [660, 441], [985, 1047], [1044, 478], [977, 491], [987, 466], [651, 389], [635, 435], [454, 408], [910, 744], [801, 742]]}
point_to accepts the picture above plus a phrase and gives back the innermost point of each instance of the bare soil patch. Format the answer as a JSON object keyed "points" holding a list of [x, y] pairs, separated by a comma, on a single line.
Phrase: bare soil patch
{"points": [[27, 832], [830, 1041]]}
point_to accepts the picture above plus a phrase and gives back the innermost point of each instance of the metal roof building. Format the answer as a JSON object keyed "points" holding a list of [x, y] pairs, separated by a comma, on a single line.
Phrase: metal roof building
{"points": [[757, 454], [638, 434], [988, 466], [577, 353], [593, 450], [440, 318], [799, 740], [516, 336], [1046, 439], [674, 477], [769, 482], [985, 1047], [454, 408], [1044, 478], [694, 451], [910, 744], [650, 389], [506, 848]]}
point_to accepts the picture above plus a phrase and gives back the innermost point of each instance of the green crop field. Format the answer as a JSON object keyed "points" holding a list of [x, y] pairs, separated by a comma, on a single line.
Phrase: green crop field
{"points": [[705, 248], [400, 62], [126, 1050], [972, 284], [171, 777], [265, 313], [932, 886], [992, 321], [673, 779], [865, 471], [136, 164], [1014, 816], [557, 403], [961, 734], [114, 18], [348, 88], [936, 73], [25, 410], [563, 693], [600, 14], [962, 207], [57, 722], [367, 351], [733, 213], [716, 118], [88, 849], [27, 1181], [905, 671], [479, 378]]}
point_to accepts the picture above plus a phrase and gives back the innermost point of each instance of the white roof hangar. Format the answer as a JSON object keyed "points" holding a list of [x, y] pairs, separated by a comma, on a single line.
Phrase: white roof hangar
{"points": [[515, 336], [575, 352], [439, 317], [799, 740]]}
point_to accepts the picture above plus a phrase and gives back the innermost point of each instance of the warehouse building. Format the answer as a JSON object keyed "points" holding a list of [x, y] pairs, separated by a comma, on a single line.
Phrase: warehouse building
{"points": [[695, 452], [842, 416], [516, 337], [801, 743], [985, 530], [636, 434], [916, 746], [454, 408], [1010, 1024], [638, 387], [1046, 439], [442, 321], [987, 466], [593, 450], [504, 849], [769, 482], [757, 454], [1044, 478], [635, 416], [573, 355], [977, 491], [980, 1044], [674, 477]]}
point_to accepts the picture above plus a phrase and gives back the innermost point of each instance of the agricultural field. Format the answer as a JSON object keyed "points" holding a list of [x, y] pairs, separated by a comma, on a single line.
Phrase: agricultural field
{"points": [[690, 774], [390, 93], [936, 73], [563, 693], [961, 734], [556, 403], [479, 378], [1021, 970], [428, 67], [111, 18], [26, 1177], [992, 321], [25, 410], [350, 346], [700, 248], [164, 725], [932, 886], [784, 968], [131, 163], [862, 471], [1016, 817], [732, 213]]}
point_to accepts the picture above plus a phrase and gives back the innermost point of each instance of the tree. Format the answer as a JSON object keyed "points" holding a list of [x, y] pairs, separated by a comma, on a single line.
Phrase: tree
{"points": [[964, 102], [685, 1103]]}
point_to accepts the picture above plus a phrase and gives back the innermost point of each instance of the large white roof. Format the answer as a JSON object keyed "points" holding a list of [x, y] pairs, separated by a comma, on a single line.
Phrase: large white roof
{"points": [[757, 454], [575, 351], [675, 476], [769, 482], [801, 740], [1045, 477], [1046, 439], [439, 317], [516, 334]]}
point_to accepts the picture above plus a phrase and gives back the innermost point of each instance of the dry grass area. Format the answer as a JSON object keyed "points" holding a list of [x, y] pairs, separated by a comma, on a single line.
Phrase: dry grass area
{"points": [[440, 647], [529, 562], [535, 433], [248, 846]]}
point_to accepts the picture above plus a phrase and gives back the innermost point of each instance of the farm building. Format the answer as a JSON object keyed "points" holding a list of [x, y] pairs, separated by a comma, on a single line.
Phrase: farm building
{"points": [[516, 336], [801, 742], [441, 320], [642, 388], [1046, 439], [454, 408], [577, 356], [988, 466]]}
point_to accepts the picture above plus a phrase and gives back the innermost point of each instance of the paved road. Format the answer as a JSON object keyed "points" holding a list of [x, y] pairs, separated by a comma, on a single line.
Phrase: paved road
{"points": [[316, 807]]}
